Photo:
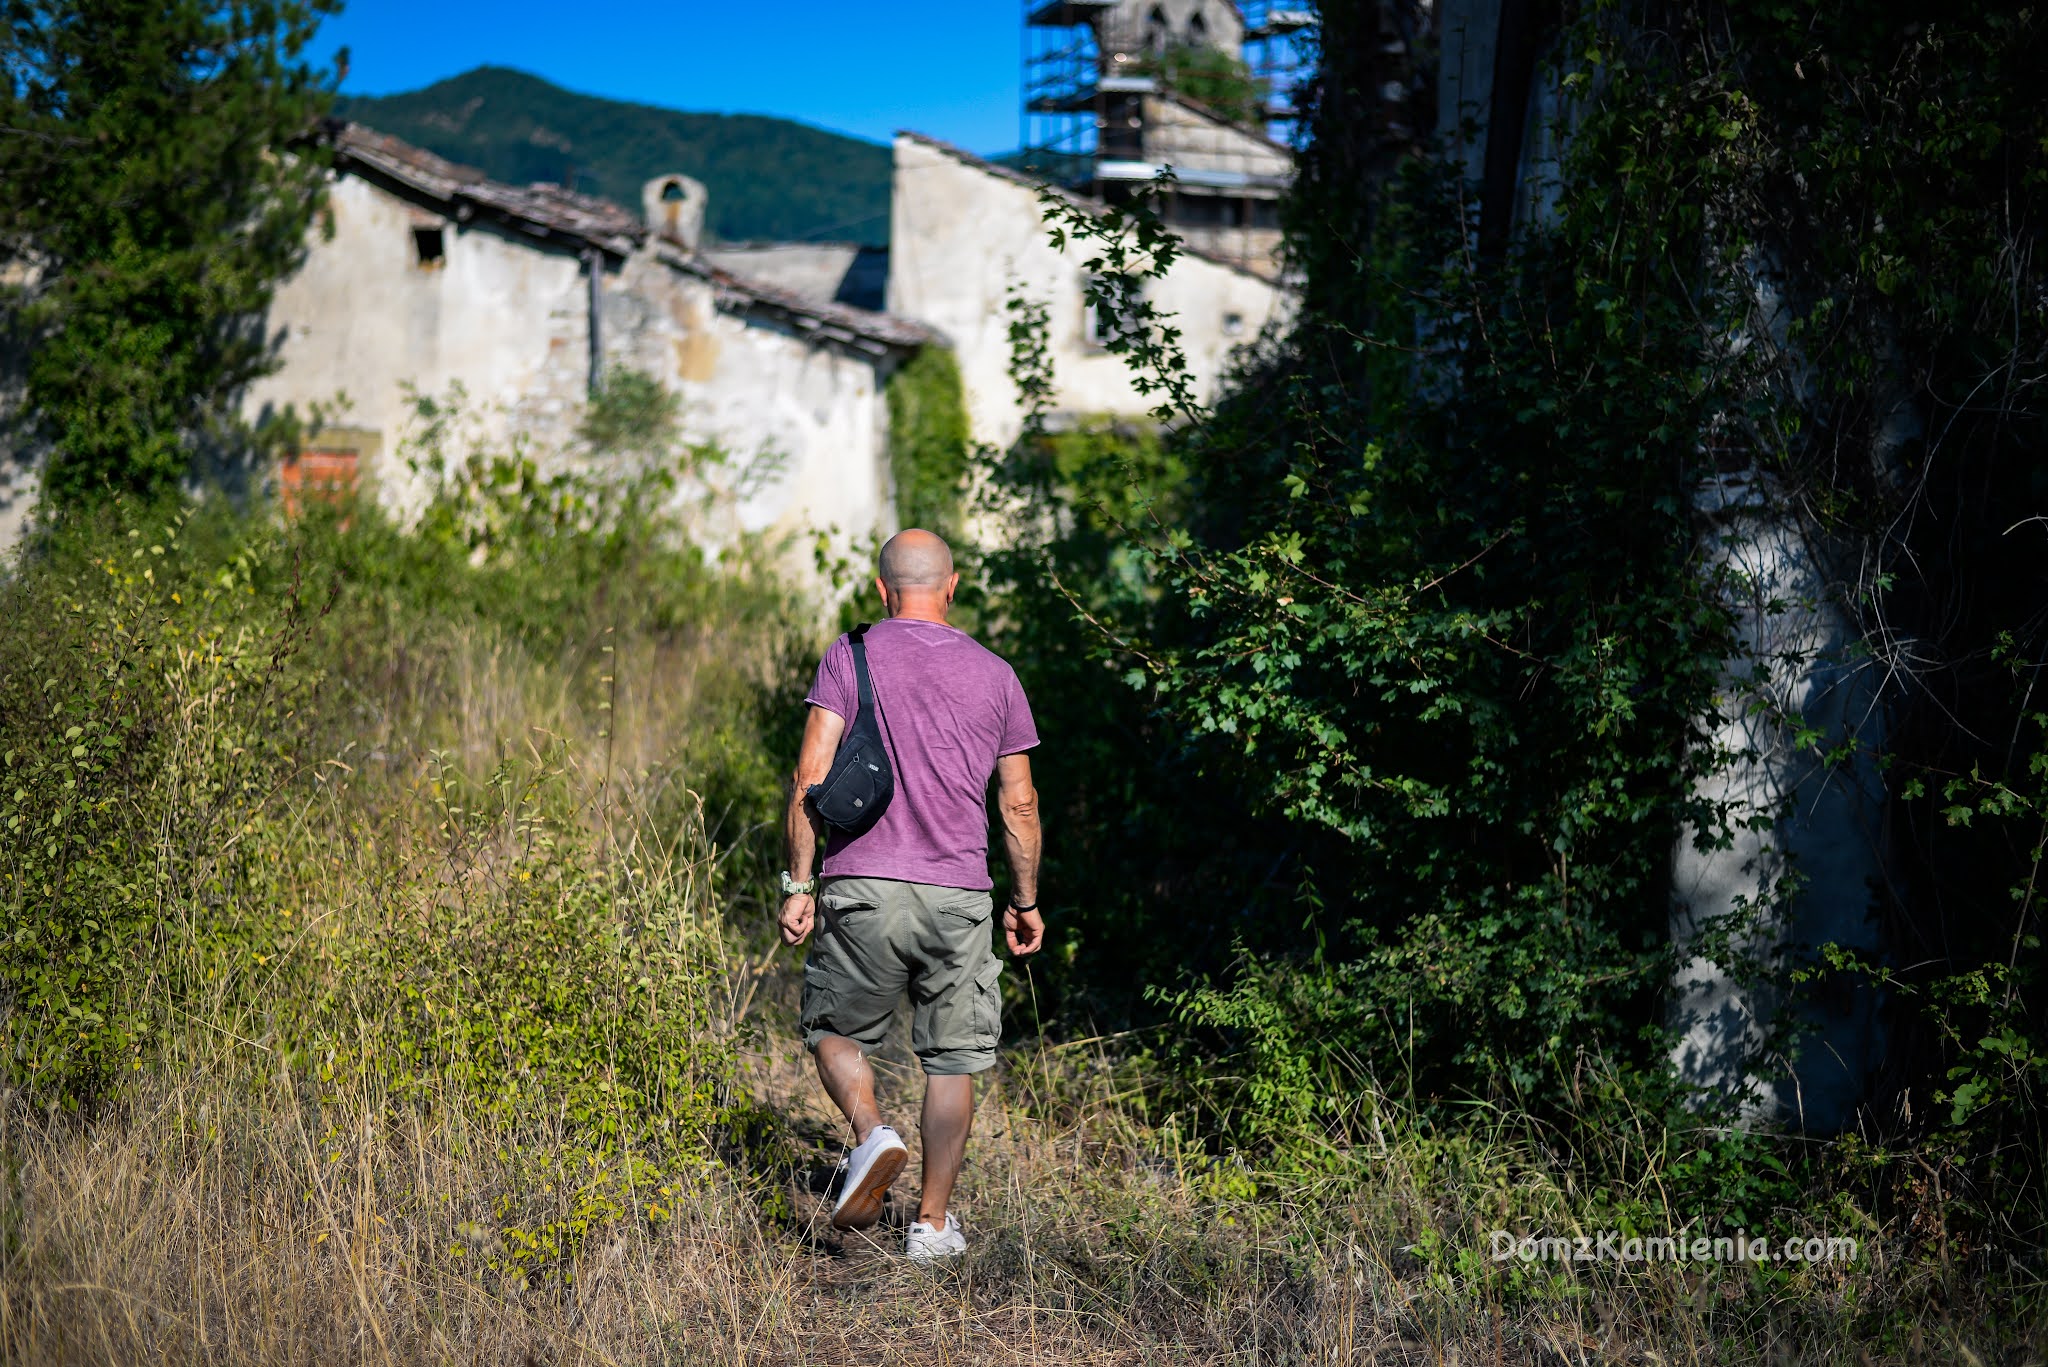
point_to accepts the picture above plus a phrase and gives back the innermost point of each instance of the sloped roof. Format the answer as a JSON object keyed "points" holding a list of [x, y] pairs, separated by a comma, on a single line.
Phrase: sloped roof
{"points": [[838, 322], [542, 209], [1248, 130], [551, 213]]}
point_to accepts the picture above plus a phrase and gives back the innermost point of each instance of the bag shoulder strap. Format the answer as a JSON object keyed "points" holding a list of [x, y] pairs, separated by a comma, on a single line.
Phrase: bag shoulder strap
{"points": [[863, 685]]}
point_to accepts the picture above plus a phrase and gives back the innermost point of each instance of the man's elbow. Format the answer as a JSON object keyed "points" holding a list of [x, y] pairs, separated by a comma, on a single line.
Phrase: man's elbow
{"points": [[1020, 807]]}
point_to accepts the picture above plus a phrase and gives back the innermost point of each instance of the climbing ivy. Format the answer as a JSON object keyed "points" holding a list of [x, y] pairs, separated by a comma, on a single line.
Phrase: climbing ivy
{"points": [[928, 440], [1437, 602]]}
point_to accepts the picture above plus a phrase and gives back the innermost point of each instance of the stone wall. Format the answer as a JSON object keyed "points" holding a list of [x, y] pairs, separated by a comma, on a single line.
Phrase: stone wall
{"points": [[760, 391]]}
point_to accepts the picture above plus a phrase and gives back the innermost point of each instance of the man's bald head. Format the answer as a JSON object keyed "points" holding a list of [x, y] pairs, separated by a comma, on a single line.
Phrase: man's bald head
{"points": [[914, 560]]}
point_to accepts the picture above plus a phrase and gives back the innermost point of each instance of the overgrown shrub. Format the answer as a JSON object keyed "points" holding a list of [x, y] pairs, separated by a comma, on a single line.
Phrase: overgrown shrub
{"points": [[355, 793], [1213, 78], [1440, 611], [928, 441]]}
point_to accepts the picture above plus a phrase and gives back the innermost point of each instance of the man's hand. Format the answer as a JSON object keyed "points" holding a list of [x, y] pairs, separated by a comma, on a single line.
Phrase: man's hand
{"points": [[1025, 931], [799, 914]]}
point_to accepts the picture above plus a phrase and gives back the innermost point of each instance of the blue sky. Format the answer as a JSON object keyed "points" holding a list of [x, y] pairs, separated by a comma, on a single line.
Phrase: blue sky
{"points": [[944, 67]]}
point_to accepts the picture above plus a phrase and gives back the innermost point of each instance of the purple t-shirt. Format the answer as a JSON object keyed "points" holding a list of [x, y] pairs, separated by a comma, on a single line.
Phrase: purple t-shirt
{"points": [[951, 707]]}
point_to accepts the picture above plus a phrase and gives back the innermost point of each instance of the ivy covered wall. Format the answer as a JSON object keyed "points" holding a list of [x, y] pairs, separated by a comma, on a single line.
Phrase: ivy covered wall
{"points": [[1431, 671], [928, 440]]}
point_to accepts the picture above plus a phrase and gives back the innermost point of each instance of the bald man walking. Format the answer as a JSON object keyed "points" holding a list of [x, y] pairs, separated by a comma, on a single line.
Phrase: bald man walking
{"points": [[905, 906]]}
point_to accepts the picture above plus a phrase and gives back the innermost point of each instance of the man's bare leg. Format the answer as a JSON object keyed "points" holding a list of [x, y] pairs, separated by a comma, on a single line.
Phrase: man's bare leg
{"points": [[948, 1115], [848, 1080]]}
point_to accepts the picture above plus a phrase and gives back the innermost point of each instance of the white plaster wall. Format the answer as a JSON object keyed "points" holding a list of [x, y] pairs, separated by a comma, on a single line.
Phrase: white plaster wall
{"points": [[1806, 850], [1470, 32], [19, 489], [760, 390], [508, 319], [504, 317], [961, 234]]}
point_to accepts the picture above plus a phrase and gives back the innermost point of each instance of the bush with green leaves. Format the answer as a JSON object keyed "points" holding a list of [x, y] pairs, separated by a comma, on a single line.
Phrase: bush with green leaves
{"points": [[1211, 77], [1432, 647], [442, 817], [929, 443], [147, 711]]}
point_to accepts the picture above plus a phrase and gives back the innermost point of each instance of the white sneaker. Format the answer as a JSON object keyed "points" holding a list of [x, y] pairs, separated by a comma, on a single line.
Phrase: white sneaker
{"points": [[924, 1244], [869, 1171]]}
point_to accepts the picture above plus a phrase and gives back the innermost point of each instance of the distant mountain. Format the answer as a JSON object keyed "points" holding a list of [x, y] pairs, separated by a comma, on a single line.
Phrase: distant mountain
{"points": [[768, 178]]}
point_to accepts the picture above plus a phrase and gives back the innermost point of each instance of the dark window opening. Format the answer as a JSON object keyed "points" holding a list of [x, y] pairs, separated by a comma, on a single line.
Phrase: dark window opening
{"points": [[1204, 211], [1122, 128], [1198, 30], [672, 193], [429, 248]]}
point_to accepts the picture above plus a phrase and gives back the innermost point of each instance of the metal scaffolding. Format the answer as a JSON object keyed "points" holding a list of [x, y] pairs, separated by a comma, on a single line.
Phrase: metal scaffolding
{"points": [[1086, 62], [1278, 48], [1118, 91]]}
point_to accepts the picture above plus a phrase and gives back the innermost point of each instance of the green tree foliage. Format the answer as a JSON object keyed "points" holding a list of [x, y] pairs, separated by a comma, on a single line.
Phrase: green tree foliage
{"points": [[928, 440], [1437, 602], [1213, 78], [632, 413], [143, 182], [768, 178]]}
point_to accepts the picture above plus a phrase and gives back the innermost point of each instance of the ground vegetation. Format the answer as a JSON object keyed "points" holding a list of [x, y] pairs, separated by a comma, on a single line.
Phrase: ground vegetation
{"points": [[388, 969]]}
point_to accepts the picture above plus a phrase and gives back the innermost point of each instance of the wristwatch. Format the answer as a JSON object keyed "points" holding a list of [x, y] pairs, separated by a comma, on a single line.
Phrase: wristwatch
{"points": [[792, 888]]}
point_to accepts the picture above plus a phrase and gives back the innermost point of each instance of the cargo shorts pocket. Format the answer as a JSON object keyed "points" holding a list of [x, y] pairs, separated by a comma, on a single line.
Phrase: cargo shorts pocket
{"points": [[842, 994], [974, 908], [833, 905], [987, 1007]]}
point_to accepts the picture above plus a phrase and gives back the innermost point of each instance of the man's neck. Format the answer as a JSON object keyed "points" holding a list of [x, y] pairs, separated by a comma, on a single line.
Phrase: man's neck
{"points": [[922, 610]]}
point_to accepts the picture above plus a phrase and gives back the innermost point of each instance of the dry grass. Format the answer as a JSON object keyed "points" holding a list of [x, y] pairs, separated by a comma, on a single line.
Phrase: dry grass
{"points": [[235, 1216], [236, 1219]]}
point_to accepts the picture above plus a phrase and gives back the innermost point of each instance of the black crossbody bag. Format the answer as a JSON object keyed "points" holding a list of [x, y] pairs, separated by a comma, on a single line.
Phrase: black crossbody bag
{"points": [[855, 792]]}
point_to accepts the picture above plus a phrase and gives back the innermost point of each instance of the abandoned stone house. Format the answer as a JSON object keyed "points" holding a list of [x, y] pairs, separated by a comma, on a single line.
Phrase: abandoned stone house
{"points": [[965, 234], [428, 275]]}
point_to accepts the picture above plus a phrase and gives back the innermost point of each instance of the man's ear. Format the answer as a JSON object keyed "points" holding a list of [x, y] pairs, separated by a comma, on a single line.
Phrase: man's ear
{"points": [[882, 590], [952, 585]]}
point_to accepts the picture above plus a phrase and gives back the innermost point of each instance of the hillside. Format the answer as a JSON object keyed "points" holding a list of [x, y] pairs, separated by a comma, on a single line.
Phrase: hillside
{"points": [[768, 177]]}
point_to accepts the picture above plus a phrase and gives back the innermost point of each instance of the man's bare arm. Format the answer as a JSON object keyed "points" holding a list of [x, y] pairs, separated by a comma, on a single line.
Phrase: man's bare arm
{"points": [[801, 828], [1017, 800]]}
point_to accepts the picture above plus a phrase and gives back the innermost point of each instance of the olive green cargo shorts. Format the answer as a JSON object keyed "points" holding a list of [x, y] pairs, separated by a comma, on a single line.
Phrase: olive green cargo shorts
{"points": [[877, 938]]}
